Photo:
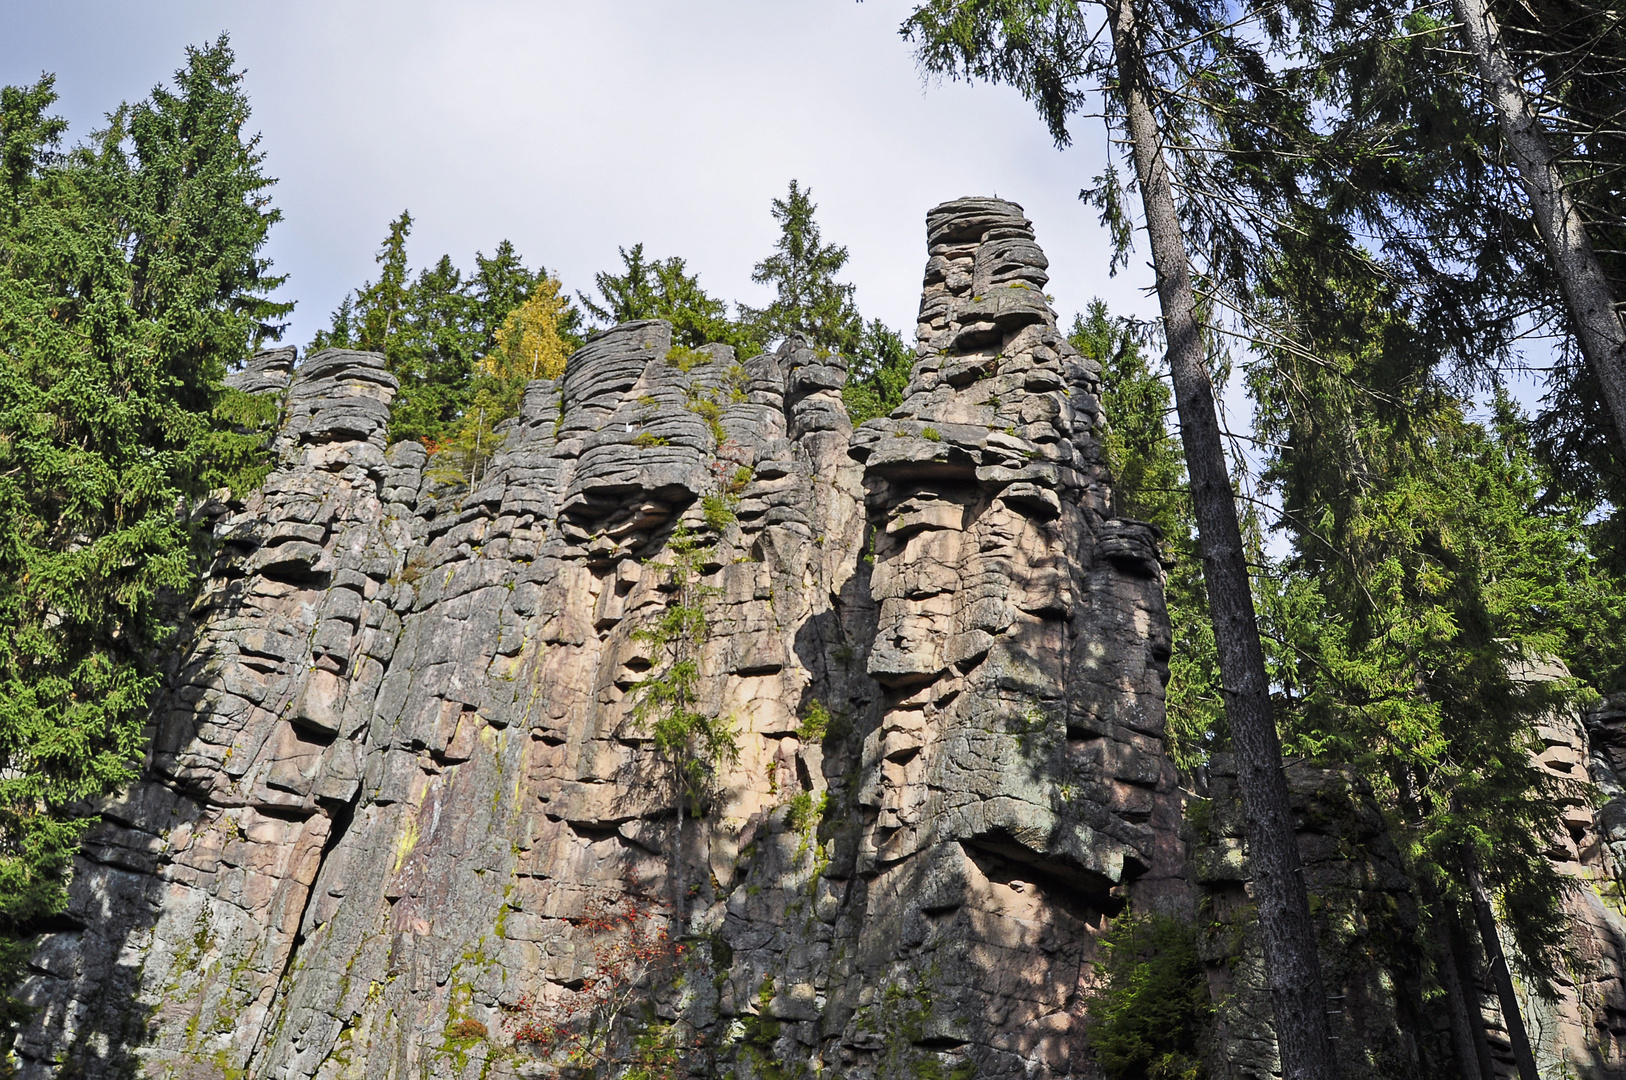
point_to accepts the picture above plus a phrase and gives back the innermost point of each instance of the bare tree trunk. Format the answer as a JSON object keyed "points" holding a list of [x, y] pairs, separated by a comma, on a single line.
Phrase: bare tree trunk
{"points": [[1462, 955], [1587, 292], [1496, 962], [680, 916], [1292, 963], [1473, 1057], [1462, 1020]]}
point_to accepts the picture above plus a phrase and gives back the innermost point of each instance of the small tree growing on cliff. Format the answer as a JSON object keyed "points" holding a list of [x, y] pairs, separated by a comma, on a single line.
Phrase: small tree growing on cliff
{"points": [[690, 742]]}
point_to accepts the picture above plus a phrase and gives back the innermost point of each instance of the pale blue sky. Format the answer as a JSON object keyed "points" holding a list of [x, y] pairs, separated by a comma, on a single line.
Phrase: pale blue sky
{"points": [[574, 127]]}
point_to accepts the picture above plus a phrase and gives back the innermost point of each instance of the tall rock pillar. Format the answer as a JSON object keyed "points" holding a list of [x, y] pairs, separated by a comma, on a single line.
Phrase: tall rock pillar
{"points": [[1015, 792]]}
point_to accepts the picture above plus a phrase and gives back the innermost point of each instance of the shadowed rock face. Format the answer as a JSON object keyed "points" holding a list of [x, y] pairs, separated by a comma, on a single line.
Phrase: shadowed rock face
{"points": [[397, 774], [1015, 791]]}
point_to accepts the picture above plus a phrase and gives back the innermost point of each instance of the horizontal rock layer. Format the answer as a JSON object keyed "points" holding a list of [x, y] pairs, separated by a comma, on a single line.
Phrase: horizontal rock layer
{"points": [[403, 807]]}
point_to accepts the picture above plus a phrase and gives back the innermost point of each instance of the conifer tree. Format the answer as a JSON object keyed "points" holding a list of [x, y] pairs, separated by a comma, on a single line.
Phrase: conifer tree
{"points": [[435, 328], [1425, 575], [878, 375], [808, 299], [131, 279], [690, 741], [530, 344], [664, 289]]}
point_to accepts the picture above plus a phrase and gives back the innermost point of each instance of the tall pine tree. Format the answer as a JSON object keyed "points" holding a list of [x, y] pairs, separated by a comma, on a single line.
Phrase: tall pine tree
{"points": [[131, 280]]}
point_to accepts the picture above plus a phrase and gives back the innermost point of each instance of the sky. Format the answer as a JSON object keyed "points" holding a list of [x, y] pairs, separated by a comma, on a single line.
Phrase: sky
{"points": [[572, 128]]}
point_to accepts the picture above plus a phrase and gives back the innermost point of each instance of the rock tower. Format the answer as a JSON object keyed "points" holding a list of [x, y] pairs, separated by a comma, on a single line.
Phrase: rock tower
{"points": [[402, 798]]}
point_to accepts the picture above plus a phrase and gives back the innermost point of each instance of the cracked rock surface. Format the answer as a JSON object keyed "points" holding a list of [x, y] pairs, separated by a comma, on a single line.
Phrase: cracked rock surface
{"points": [[398, 774]]}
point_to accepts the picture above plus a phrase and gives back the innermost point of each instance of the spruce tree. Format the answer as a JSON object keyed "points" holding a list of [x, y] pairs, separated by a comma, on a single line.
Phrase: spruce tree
{"points": [[808, 299], [131, 280], [1425, 574], [879, 373], [664, 289]]}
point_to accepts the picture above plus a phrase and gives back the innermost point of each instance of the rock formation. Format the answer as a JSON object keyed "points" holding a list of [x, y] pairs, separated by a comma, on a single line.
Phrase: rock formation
{"points": [[408, 803], [401, 799]]}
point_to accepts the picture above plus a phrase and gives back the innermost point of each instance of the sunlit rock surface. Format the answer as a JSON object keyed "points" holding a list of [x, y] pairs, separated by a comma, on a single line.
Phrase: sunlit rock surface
{"points": [[400, 803]]}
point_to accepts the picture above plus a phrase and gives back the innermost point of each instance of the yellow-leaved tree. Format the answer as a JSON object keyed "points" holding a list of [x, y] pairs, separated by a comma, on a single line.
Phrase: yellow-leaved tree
{"points": [[532, 343]]}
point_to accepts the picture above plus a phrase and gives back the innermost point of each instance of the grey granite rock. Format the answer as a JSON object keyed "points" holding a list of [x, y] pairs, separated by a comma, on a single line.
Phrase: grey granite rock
{"points": [[400, 800]]}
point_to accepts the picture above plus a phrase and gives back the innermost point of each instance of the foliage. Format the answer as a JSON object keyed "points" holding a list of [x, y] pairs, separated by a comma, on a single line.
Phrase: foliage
{"points": [[806, 811], [530, 344], [808, 300], [467, 1029], [663, 289], [436, 329], [131, 279], [607, 1028], [815, 722], [879, 373], [1149, 483], [1572, 53], [1423, 575], [1149, 1019], [692, 743]]}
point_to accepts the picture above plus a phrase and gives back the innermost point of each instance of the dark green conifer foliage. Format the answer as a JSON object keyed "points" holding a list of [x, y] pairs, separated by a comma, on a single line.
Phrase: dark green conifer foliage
{"points": [[434, 328], [1149, 1021], [878, 374], [1423, 573], [664, 289], [1149, 483], [808, 299], [809, 302], [130, 280]]}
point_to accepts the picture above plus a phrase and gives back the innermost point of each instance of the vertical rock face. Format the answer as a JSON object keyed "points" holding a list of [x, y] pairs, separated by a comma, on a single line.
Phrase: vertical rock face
{"points": [[402, 805], [1015, 791], [1582, 1029]]}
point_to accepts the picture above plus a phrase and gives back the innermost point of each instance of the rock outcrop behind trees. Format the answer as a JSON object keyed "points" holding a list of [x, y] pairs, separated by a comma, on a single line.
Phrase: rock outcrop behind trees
{"points": [[409, 811]]}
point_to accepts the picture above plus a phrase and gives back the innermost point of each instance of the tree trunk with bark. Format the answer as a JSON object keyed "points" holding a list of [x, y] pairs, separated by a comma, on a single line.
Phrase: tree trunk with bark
{"points": [[1468, 979], [1472, 1053], [1469, 1060], [1496, 964], [1587, 293], [1292, 962]]}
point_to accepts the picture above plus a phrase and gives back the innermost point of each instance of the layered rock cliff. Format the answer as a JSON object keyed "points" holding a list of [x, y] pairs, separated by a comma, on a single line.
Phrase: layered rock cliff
{"points": [[401, 800], [413, 805]]}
